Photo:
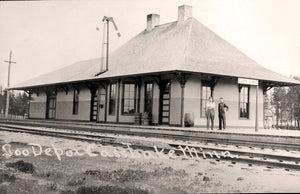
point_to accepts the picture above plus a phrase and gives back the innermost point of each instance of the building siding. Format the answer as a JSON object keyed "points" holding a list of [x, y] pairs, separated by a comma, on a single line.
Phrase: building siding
{"points": [[37, 108], [155, 108], [64, 105], [175, 102], [192, 98], [228, 89], [225, 87]]}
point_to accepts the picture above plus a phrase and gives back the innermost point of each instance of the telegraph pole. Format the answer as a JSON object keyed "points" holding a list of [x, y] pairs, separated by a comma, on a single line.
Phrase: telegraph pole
{"points": [[8, 84]]}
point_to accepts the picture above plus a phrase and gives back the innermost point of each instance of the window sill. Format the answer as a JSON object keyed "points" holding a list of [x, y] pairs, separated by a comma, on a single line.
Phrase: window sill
{"points": [[242, 118], [124, 114]]}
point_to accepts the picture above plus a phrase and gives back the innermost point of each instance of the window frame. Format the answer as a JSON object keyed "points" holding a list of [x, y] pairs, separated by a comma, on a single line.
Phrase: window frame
{"points": [[201, 99], [248, 101], [123, 99], [113, 113], [75, 108], [145, 94]]}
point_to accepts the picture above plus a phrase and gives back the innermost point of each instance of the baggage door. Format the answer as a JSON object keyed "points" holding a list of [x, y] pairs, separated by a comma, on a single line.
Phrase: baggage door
{"points": [[165, 102], [101, 105], [94, 106], [51, 105]]}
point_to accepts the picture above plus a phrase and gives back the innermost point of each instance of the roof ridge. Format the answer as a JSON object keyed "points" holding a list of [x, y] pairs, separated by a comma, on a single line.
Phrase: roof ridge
{"points": [[187, 38]]}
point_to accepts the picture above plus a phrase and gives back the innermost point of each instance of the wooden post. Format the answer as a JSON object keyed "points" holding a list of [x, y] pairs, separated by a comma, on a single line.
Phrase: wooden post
{"points": [[256, 112], [182, 78], [182, 104], [118, 100], [106, 104], [264, 107]]}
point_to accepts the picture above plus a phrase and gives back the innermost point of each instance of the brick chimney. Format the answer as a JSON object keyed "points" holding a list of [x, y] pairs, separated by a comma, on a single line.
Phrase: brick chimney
{"points": [[184, 12], [152, 21]]}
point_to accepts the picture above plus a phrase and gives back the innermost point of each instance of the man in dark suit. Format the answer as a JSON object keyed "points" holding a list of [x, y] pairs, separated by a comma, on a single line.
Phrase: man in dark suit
{"points": [[222, 109]]}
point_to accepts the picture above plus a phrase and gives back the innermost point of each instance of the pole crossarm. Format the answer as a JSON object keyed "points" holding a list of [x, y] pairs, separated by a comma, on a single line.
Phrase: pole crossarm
{"points": [[11, 62]]}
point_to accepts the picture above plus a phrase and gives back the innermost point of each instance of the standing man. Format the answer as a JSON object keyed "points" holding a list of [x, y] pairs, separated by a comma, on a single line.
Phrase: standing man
{"points": [[222, 109], [210, 112]]}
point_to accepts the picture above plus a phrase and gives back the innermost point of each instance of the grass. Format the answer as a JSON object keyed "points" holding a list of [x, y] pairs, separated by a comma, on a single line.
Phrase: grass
{"points": [[5, 177], [122, 176]]}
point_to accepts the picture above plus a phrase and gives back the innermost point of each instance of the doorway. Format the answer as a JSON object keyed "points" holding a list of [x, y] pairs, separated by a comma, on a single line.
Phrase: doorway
{"points": [[94, 106], [98, 105], [51, 105], [101, 105], [165, 102]]}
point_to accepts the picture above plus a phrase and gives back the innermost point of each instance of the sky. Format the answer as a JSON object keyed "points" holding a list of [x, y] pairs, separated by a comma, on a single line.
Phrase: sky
{"points": [[48, 35]]}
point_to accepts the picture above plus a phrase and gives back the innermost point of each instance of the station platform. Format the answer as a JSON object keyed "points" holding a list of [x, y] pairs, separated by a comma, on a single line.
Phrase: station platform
{"points": [[263, 135]]}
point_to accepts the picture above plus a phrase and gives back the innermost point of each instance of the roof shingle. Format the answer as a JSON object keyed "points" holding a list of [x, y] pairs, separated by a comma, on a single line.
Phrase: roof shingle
{"points": [[185, 46]]}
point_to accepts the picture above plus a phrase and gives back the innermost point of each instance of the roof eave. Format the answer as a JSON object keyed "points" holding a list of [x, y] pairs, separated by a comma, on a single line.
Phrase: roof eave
{"points": [[270, 82]]}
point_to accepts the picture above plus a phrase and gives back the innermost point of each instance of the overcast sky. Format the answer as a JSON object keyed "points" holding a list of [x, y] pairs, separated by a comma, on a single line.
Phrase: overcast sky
{"points": [[47, 35]]}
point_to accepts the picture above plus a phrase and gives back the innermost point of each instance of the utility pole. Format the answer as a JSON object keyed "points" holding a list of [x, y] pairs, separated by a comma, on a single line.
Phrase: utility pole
{"points": [[8, 84]]}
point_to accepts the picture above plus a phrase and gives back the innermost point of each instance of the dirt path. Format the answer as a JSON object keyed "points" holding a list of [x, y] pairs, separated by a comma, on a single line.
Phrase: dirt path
{"points": [[100, 173]]}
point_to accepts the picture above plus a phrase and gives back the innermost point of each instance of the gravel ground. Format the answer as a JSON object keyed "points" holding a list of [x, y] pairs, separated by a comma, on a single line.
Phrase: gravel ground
{"points": [[95, 172]]}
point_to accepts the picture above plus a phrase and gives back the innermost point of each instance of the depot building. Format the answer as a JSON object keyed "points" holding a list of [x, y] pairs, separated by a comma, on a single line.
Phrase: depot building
{"points": [[167, 71]]}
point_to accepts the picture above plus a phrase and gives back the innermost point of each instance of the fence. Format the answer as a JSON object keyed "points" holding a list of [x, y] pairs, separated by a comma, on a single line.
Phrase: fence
{"points": [[9, 116]]}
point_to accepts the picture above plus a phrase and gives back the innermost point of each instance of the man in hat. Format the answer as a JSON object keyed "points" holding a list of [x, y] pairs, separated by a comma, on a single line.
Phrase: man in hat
{"points": [[222, 109]]}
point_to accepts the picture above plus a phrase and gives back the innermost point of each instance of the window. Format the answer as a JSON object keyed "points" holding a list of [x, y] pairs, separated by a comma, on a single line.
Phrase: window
{"points": [[244, 101], [205, 94], [128, 105], [112, 99], [75, 101], [148, 97]]}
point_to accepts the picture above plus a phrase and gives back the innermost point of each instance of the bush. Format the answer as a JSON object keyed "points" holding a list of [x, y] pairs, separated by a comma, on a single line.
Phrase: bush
{"points": [[119, 175], [22, 166], [4, 177], [109, 189]]}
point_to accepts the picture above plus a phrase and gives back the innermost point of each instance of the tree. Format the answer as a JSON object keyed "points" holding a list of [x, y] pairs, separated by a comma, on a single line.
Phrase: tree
{"points": [[2, 100], [286, 101], [294, 99], [278, 101], [18, 102]]}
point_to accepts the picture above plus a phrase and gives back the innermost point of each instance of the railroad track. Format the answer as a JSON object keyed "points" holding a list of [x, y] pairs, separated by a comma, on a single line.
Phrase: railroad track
{"points": [[253, 157], [156, 133]]}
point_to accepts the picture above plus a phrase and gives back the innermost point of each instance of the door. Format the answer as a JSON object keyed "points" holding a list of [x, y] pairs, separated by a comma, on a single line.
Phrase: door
{"points": [[98, 105], [101, 105], [51, 105], [94, 106], [165, 102]]}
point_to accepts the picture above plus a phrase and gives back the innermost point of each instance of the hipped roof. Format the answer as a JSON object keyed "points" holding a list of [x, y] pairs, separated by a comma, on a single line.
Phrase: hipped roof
{"points": [[187, 46]]}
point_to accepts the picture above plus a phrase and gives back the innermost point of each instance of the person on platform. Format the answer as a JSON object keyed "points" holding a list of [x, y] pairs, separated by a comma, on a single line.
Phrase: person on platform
{"points": [[222, 109], [210, 112]]}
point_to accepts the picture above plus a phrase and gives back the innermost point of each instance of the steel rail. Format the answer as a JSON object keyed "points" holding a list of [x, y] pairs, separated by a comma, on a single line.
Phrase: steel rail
{"points": [[157, 133], [243, 156]]}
